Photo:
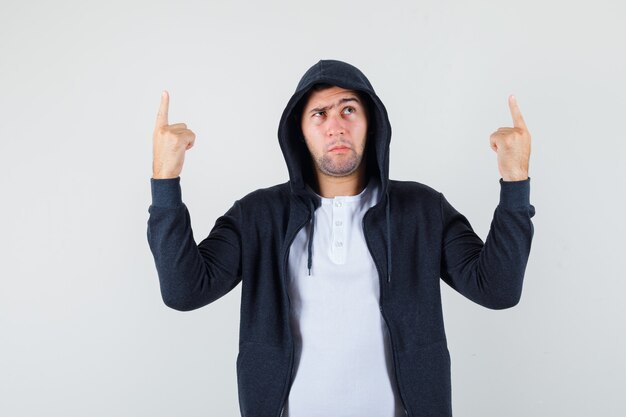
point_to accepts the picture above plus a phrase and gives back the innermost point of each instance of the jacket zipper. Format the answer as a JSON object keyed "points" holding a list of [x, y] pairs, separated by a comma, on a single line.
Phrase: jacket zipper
{"points": [[285, 258], [380, 307]]}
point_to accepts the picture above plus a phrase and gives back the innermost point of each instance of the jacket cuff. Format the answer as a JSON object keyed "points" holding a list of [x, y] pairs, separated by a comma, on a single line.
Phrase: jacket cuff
{"points": [[166, 192], [515, 193]]}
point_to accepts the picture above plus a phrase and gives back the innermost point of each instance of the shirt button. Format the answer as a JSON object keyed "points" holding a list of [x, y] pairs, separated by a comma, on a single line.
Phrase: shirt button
{"points": [[338, 223], [338, 204], [339, 244]]}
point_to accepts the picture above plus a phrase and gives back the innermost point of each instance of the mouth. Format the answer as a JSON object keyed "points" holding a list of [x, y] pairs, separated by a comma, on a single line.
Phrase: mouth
{"points": [[339, 148]]}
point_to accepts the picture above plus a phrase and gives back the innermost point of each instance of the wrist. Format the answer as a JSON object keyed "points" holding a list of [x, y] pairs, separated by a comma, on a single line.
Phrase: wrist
{"points": [[523, 176], [164, 176]]}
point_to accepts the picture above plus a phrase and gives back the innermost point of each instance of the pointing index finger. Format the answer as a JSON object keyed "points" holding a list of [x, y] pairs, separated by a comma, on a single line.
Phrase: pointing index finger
{"points": [[163, 109], [518, 120]]}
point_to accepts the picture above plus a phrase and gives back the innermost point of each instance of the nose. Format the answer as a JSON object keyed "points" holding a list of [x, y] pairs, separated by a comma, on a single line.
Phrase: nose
{"points": [[335, 125]]}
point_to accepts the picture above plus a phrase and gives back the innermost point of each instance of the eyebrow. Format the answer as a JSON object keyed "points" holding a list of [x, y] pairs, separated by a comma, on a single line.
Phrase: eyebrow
{"points": [[343, 100]]}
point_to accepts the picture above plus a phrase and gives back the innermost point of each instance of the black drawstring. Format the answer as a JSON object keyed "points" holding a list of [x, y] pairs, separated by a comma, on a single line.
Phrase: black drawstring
{"points": [[310, 259], [388, 240]]}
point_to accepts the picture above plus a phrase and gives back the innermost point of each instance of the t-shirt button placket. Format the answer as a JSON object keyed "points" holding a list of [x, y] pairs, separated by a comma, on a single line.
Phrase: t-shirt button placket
{"points": [[339, 213]]}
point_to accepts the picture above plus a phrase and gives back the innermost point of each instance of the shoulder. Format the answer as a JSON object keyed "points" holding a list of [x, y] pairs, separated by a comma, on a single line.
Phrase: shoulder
{"points": [[267, 196], [399, 189], [415, 202]]}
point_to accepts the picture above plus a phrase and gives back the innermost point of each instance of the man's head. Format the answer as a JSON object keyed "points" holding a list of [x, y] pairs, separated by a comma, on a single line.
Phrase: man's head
{"points": [[334, 125]]}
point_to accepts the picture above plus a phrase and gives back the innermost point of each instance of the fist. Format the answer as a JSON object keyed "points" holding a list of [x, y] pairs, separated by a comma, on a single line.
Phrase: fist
{"points": [[169, 143], [512, 144]]}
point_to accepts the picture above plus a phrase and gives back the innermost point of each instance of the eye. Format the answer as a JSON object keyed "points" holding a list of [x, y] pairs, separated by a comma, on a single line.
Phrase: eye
{"points": [[351, 108], [319, 112]]}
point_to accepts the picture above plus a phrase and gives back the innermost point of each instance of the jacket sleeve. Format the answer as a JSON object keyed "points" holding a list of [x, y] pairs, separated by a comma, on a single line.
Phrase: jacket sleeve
{"points": [[490, 274], [190, 275]]}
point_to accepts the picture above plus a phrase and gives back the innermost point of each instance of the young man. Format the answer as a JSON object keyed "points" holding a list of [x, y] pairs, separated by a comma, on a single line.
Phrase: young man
{"points": [[340, 266]]}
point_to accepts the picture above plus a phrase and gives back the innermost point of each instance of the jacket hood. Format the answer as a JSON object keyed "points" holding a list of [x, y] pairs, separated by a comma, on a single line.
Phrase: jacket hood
{"points": [[296, 153], [290, 136]]}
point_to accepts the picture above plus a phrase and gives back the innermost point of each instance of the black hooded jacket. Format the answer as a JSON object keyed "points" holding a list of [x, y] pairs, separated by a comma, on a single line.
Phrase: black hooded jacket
{"points": [[415, 237]]}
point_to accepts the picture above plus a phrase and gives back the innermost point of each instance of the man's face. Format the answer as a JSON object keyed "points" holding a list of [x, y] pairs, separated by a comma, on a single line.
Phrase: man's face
{"points": [[334, 125]]}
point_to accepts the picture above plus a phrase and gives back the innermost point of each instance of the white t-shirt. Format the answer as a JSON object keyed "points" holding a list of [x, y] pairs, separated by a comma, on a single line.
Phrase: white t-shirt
{"points": [[343, 364]]}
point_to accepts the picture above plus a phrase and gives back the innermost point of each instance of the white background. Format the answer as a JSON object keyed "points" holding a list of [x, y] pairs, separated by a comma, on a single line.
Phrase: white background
{"points": [[83, 330]]}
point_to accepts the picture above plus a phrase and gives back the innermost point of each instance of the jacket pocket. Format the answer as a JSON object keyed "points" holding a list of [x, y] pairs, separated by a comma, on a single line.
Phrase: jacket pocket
{"points": [[426, 380], [262, 372]]}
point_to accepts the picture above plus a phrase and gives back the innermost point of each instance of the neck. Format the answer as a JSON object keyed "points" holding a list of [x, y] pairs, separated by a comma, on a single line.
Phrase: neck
{"points": [[328, 186]]}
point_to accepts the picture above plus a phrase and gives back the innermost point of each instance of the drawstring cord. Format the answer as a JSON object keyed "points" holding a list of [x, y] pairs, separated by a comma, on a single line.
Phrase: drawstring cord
{"points": [[388, 239], [388, 220], [310, 257]]}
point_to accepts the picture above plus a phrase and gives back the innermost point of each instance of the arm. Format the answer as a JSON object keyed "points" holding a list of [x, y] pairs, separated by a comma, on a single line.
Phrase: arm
{"points": [[190, 275], [490, 274]]}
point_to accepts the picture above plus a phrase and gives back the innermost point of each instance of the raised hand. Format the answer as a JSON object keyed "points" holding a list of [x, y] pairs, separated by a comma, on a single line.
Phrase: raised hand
{"points": [[512, 144], [169, 143]]}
